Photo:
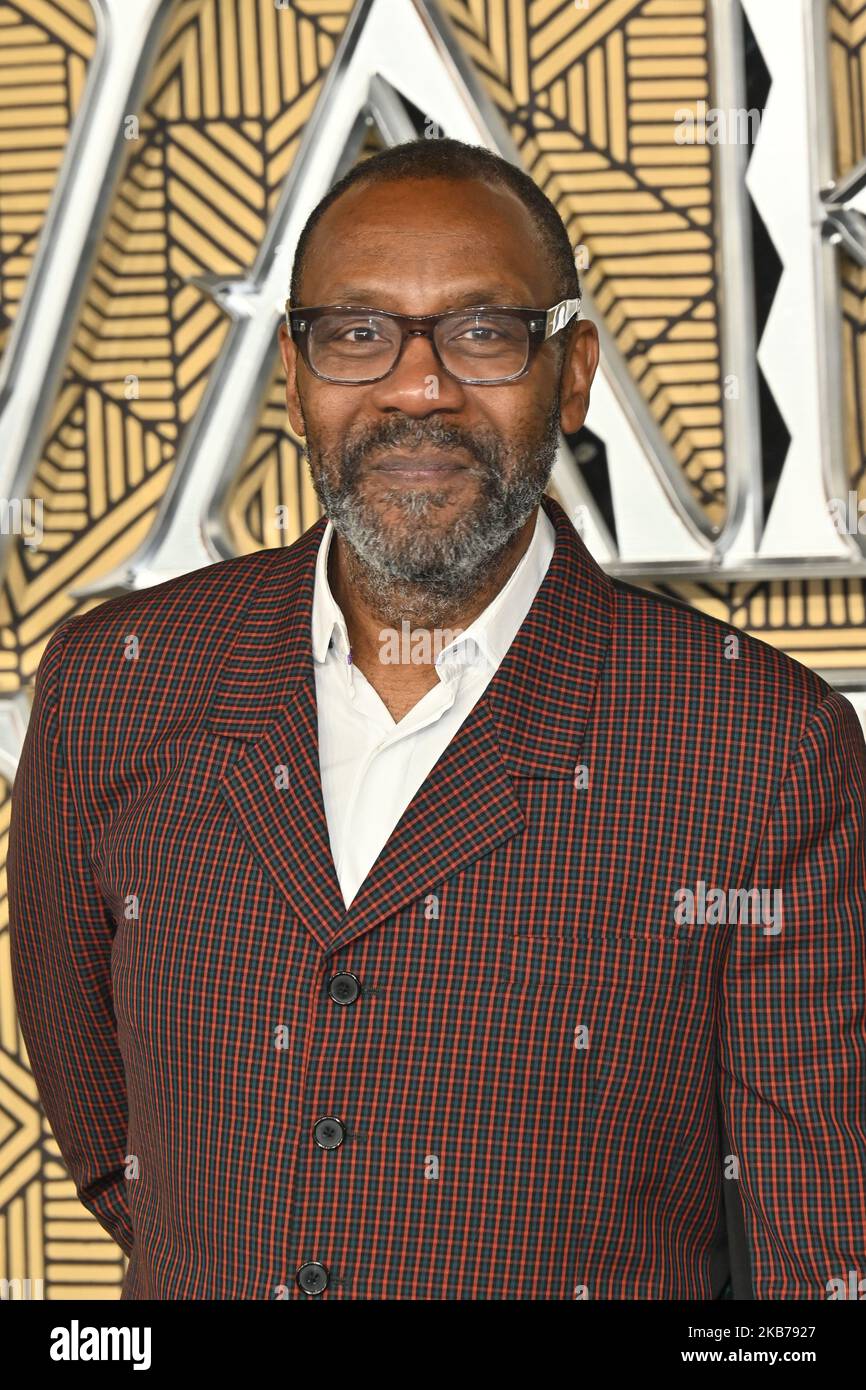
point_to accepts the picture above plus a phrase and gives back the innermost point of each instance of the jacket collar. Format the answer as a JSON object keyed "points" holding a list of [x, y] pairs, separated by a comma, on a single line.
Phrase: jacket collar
{"points": [[529, 722], [558, 652]]}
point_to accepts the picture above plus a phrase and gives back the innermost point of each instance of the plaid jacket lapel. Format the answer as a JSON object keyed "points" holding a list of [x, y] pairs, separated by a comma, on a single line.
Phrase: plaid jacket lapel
{"points": [[528, 723]]}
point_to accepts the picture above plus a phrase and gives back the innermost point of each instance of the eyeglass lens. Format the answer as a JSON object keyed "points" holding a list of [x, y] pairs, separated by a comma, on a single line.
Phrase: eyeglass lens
{"points": [[349, 346]]}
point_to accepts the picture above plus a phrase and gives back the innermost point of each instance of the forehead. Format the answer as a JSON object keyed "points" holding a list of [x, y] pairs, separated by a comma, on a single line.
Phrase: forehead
{"points": [[420, 242]]}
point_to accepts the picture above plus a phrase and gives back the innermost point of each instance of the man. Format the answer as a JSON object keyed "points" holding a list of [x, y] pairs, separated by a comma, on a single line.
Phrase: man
{"points": [[414, 912]]}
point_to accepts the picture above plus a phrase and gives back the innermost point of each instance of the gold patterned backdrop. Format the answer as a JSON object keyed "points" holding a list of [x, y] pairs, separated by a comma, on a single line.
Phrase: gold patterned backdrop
{"points": [[587, 94]]}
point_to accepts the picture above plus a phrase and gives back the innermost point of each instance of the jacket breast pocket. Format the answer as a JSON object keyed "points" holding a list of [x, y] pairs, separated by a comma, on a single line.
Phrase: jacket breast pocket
{"points": [[598, 972], [565, 928]]}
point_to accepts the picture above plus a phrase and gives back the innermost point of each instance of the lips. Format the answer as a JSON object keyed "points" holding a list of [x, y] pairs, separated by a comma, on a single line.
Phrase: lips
{"points": [[425, 461]]}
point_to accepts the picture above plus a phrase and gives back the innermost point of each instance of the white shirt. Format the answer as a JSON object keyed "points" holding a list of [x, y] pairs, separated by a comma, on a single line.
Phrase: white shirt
{"points": [[372, 766]]}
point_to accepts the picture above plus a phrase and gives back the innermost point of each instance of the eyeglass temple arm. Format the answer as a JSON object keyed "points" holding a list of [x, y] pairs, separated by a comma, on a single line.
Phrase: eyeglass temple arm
{"points": [[560, 315]]}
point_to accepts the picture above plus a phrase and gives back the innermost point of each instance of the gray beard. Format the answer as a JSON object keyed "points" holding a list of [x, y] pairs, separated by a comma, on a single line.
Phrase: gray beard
{"points": [[401, 566]]}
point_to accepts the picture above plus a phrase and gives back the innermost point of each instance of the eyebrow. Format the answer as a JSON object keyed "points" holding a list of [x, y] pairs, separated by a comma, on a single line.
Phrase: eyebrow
{"points": [[486, 294]]}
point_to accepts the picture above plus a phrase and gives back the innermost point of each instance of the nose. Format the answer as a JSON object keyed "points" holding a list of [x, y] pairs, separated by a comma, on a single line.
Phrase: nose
{"points": [[418, 384]]}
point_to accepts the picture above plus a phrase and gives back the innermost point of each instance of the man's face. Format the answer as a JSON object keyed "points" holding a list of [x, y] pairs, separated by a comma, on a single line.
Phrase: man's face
{"points": [[426, 478]]}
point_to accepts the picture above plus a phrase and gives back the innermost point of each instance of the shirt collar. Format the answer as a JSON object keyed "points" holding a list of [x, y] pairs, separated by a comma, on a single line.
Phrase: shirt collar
{"points": [[328, 620], [487, 637]]}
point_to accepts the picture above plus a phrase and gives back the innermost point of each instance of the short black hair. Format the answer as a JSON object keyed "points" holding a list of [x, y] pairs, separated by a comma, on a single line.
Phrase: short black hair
{"points": [[453, 159]]}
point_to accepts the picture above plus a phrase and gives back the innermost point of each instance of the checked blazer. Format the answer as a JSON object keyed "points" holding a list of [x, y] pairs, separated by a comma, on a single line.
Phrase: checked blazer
{"points": [[541, 1079]]}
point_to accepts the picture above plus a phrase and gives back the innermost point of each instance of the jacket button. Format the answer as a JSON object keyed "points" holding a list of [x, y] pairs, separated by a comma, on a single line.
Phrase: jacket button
{"points": [[328, 1132], [344, 988], [312, 1277]]}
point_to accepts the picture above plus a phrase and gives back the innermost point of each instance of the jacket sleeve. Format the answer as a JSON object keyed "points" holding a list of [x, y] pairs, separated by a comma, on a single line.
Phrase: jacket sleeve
{"points": [[61, 939], [792, 1053]]}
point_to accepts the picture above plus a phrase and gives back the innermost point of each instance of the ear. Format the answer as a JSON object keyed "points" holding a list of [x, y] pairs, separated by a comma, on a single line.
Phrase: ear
{"points": [[290, 358], [578, 370]]}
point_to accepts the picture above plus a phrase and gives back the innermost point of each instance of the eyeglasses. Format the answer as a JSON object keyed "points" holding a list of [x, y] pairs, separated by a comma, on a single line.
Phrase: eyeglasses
{"points": [[480, 346]]}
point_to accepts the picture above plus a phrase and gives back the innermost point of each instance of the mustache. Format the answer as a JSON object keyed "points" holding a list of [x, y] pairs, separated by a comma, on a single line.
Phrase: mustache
{"points": [[400, 434]]}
